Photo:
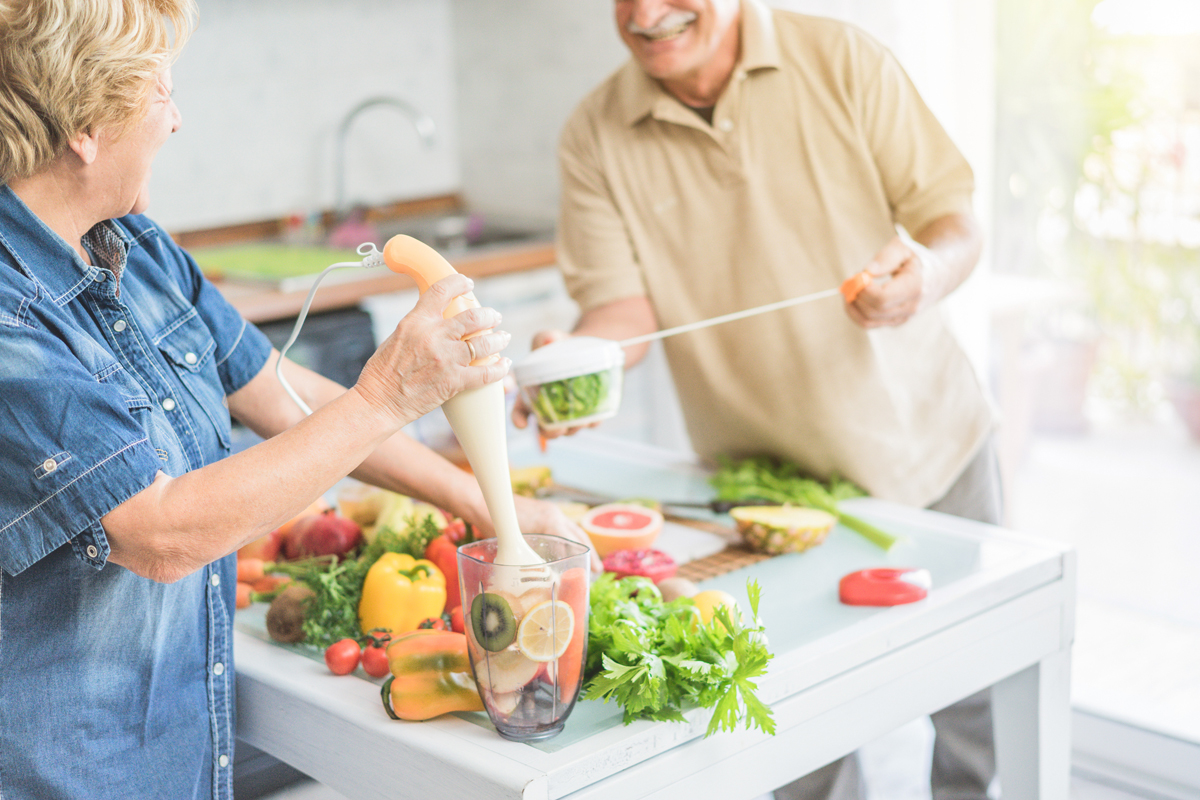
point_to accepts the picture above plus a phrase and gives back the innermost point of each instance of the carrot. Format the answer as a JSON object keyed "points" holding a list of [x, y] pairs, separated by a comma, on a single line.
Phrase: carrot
{"points": [[250, 570], [270, 583], [244, 592]]}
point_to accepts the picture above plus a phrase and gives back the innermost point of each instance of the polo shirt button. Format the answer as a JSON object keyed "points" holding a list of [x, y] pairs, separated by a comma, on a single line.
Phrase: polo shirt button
{"points": [[168, 404], [91, 551], [218, 668], [190, 358], [726, 125], [49, 465], [216, 579], [223, 761], [119, 325]]}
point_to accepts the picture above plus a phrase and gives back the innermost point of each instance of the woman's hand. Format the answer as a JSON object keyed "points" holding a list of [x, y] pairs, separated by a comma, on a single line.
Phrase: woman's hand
{"points": [[426, 361], [540, 516]]}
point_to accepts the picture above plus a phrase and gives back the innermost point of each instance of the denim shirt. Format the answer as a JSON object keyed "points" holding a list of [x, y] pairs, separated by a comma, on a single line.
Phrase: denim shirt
{"points": [[111, 685]]}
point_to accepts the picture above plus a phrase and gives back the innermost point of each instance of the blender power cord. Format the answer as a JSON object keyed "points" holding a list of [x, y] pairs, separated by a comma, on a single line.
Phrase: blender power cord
{"points": [[372, 258]]}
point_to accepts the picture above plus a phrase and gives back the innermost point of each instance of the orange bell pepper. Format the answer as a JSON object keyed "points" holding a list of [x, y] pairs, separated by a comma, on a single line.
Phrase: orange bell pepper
{"points": [[431, 676]]}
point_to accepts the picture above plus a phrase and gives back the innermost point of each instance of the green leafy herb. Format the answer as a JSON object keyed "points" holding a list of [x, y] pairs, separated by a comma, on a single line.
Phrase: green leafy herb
{"points": [[781, 482], [332, 613], [571, 398], [655, 658]]}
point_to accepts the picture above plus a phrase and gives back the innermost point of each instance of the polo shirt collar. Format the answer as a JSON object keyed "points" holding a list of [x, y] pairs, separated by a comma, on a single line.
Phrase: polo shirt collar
{"points": [[641, 96], [42, 254]]}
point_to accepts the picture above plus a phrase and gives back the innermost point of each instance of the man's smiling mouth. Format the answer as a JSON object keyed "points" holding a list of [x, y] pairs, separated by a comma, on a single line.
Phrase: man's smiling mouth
{"points": [[668, 28]]}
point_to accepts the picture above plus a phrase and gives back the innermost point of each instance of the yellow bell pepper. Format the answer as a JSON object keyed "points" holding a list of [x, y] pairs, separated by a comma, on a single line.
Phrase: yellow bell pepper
{"points": [[400, 591]]}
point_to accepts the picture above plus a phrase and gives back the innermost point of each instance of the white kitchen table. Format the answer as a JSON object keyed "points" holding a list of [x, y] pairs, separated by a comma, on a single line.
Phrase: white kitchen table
{"points": [[1000, 614]]}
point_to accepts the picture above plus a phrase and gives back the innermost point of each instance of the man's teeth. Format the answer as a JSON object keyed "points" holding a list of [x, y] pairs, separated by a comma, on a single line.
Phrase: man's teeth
{"points": [[659, 34]]}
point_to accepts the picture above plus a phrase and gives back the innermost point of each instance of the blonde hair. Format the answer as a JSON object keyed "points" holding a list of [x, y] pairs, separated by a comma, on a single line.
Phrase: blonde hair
{"points": [[74, 66]]}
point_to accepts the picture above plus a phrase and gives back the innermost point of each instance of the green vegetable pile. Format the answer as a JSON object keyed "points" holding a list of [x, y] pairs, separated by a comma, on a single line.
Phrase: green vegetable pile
{"points": [[656, 658], [781, 482], [332, 614], [572, 398]]}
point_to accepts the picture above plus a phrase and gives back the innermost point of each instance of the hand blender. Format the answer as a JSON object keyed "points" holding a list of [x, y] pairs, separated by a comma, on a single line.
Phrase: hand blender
{"points": [[476, 415]]}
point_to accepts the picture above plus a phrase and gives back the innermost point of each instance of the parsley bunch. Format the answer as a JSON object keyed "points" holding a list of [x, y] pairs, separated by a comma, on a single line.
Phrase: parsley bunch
{"points": [[781, 482], [656, 658], [332, 613]]}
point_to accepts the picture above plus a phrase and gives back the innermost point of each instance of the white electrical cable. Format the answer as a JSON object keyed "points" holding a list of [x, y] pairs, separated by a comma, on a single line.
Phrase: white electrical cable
{"points": [[371, 258]]}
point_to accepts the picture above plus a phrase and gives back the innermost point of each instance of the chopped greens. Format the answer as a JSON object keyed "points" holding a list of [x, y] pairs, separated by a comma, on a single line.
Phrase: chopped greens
{"points": [[655, 659], [572, 398], [766, 479]]}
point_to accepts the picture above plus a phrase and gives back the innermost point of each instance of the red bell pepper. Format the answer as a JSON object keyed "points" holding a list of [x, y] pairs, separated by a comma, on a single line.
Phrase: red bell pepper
{"points": [[443, 551]]}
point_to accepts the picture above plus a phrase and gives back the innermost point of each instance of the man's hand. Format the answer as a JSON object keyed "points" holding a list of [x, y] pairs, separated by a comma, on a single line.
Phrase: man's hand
{"points": [[920, 272], [906, 279]]}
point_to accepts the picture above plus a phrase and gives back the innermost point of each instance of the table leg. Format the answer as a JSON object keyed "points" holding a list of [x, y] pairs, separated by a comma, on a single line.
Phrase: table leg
{"points": [[1031, 713]]}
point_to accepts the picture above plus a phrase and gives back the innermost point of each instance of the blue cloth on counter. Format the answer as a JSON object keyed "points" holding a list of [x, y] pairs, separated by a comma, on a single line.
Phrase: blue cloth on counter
{"points": [[109, 373]]}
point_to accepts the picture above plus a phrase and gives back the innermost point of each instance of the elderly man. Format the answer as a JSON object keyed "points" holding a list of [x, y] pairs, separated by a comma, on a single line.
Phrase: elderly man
{"points": [[744, 156]]}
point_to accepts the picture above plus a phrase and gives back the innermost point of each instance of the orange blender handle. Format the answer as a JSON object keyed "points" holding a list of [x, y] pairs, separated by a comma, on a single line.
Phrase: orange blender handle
{"points": [[426, 266]]}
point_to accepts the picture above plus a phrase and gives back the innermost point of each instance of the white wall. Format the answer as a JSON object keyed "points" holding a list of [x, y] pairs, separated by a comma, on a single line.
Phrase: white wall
{"points": [[262, 86]]}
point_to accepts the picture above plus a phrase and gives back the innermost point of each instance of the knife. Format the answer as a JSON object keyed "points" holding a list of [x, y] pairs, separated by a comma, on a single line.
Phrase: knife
{"points": [[592, 498]]}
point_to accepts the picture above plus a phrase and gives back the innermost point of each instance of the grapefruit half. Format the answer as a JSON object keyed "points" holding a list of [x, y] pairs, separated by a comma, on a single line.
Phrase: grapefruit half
{"points": [[621, 526]]}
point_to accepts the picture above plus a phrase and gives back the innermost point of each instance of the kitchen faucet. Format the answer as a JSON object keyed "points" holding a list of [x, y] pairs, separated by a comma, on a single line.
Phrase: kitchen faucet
{"points": [[422, 122]]}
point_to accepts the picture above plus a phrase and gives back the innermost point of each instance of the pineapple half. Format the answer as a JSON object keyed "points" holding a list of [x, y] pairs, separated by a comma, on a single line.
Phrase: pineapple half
{"points": [[782, 529]]}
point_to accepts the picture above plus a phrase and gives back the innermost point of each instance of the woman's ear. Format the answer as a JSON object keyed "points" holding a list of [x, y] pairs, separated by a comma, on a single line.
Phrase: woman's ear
{"points": [[85, 145]]}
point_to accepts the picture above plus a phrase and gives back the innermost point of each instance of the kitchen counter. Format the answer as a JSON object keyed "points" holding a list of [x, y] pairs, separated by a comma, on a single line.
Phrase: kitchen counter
{"points": [[1000, 614], [259, 302]]}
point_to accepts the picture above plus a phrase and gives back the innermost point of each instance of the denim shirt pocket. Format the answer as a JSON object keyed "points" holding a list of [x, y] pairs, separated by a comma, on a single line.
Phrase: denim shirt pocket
{"points": [[189, 347]]}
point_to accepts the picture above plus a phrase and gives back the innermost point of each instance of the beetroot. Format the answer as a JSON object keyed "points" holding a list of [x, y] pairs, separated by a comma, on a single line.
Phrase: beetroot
{"points": [[327, 533]]}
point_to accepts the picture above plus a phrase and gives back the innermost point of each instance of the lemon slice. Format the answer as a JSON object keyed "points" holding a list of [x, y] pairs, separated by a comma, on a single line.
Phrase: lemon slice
{"points": [[546, 631]]}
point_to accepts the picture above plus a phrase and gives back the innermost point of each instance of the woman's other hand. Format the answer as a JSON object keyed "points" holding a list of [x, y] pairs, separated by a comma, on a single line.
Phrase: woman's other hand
{"points": [[426, 361], [540, 516]]}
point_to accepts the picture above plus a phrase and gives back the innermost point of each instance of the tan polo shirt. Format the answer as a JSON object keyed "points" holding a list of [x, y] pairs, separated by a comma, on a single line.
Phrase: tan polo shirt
{"points": [[818, 147]]}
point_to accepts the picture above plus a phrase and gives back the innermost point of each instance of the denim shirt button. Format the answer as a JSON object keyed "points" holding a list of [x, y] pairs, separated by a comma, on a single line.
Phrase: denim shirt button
{"points": [[168, 404], [119, 325], [91, 551], [218, 668], [190, 358], [223, 761], [215, 579], [100, 276], [49, 465]]}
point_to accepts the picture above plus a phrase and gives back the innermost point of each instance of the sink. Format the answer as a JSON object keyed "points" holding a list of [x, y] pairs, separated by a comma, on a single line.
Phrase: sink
{"points": [[456, 234], [290, 266]]}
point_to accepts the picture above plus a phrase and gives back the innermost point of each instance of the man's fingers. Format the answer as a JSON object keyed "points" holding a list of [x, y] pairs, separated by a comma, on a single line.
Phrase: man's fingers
{"points": [[890, 258]]}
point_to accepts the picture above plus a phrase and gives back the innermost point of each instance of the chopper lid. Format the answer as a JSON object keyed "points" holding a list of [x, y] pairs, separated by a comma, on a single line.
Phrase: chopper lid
{"points": [[568, 358]]}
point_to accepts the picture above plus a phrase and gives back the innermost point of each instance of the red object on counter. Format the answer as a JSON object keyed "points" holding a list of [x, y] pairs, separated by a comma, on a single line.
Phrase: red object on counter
{"points": [[885, 586], [653, 564]]}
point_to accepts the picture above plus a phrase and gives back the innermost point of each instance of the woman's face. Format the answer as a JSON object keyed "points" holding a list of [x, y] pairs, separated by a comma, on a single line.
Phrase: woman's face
{"points": [[130, 156]]}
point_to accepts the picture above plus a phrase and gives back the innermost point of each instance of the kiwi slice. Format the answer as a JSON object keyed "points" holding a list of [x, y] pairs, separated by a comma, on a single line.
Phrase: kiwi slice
{"points": [[493, 621]]}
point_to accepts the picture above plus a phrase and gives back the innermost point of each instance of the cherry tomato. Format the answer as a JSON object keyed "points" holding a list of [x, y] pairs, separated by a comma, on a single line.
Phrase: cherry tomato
{"points": [[436, 623], [375, 660], [456, 620], [342, 656]]}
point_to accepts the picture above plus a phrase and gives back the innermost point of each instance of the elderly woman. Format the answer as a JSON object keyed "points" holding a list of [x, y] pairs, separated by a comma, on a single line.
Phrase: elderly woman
{"points": [[120, 368]]}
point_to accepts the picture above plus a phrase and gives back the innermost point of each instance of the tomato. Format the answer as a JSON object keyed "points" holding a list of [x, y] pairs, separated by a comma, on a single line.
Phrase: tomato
{"points": [[436, 623], [456, 620], [375, 660], [653, 564], [342, 656]]}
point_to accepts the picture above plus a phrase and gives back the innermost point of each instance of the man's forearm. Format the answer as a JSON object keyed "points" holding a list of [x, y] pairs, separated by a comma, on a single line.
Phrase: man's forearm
{"points": [[956, 242], [621, 319]]}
